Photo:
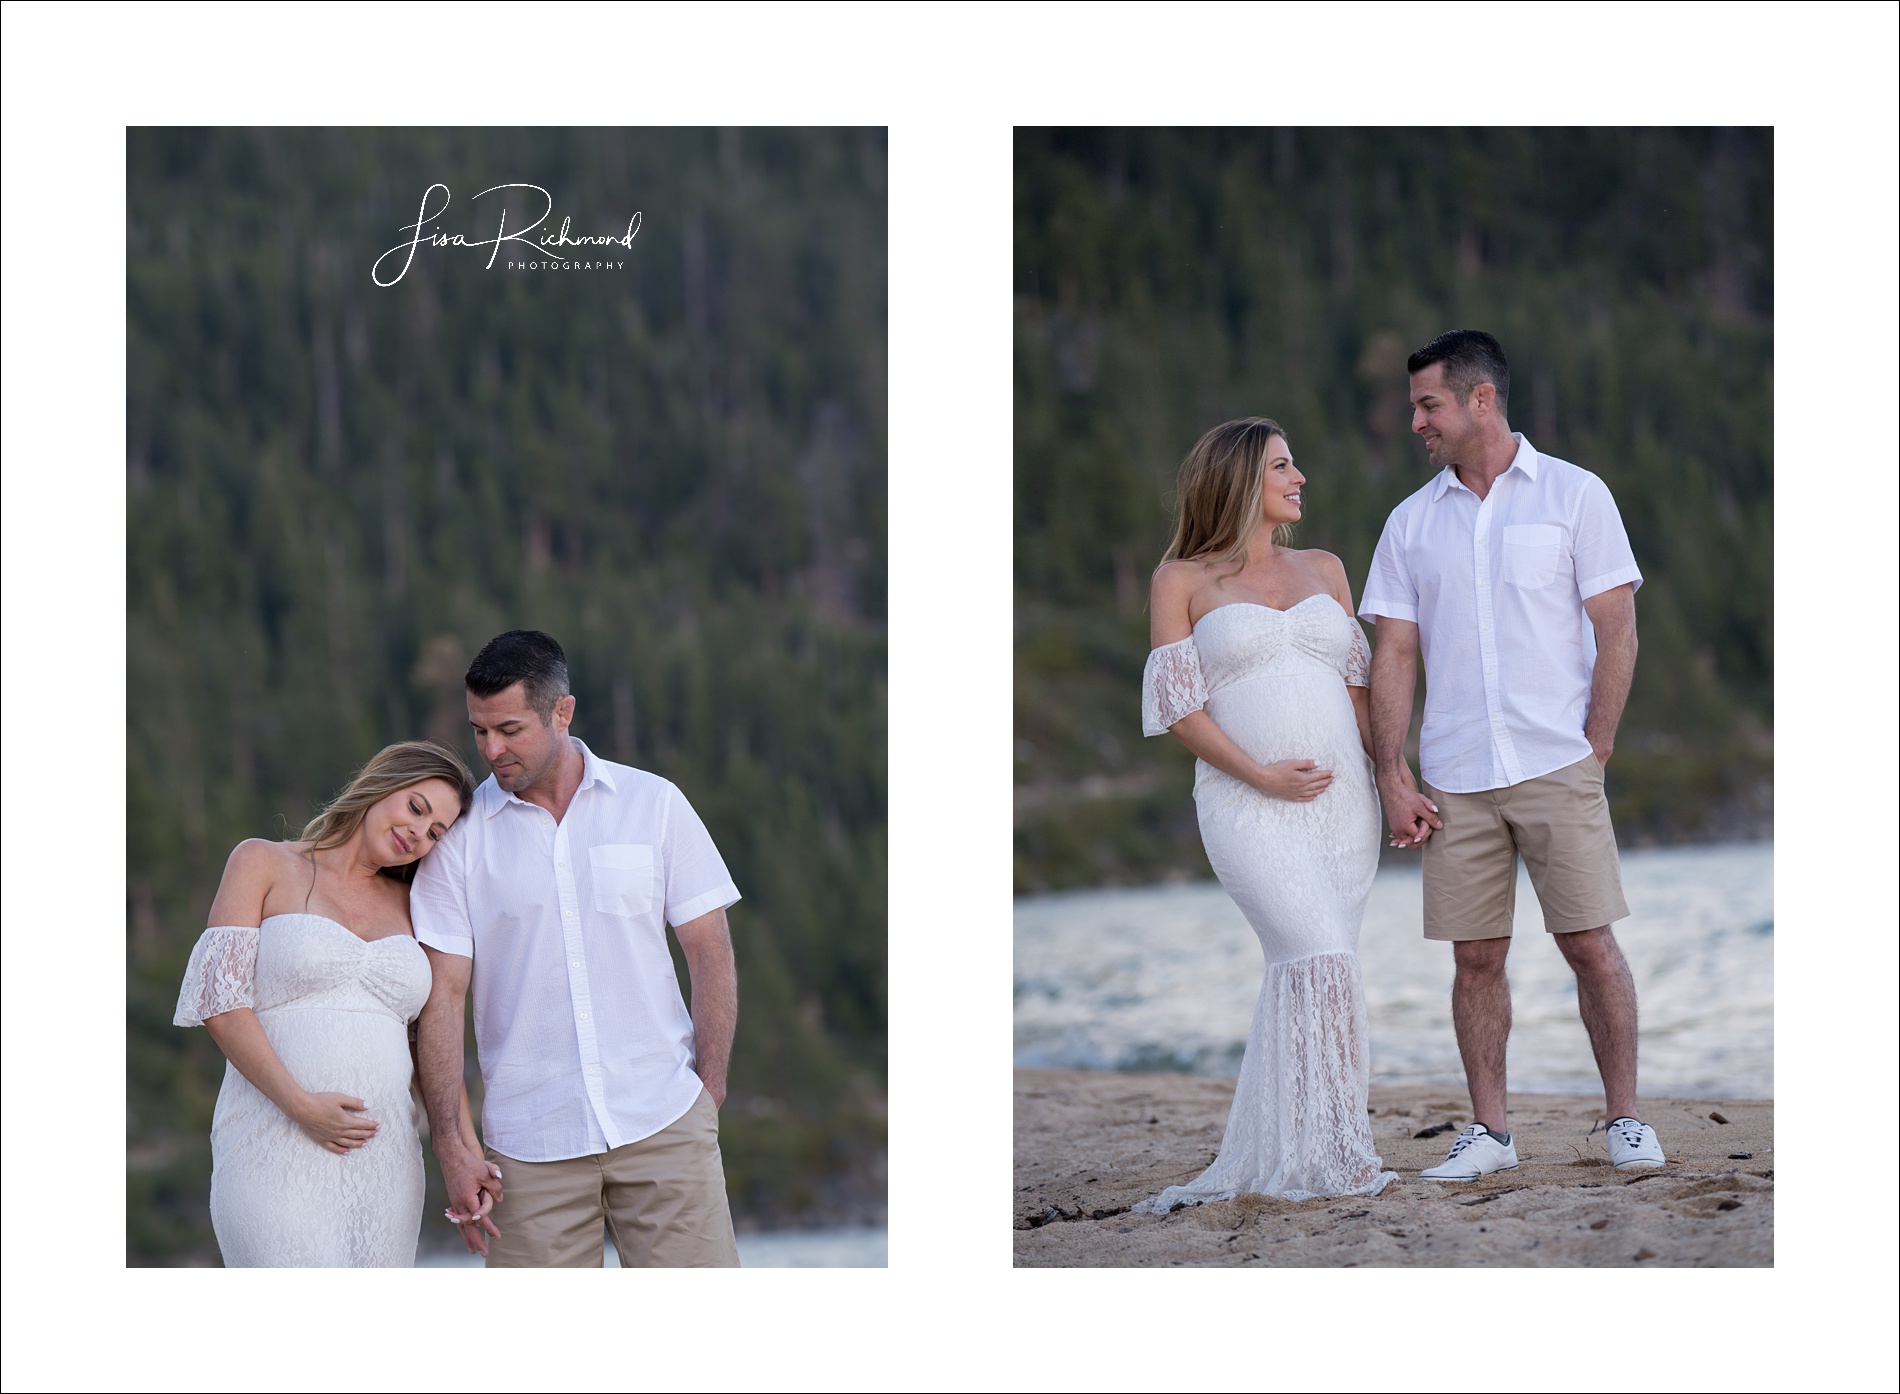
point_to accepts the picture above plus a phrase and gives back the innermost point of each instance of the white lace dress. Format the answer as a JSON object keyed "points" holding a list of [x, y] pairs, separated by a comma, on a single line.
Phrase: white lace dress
{"points": [[1275, 682], [336, 1009]]}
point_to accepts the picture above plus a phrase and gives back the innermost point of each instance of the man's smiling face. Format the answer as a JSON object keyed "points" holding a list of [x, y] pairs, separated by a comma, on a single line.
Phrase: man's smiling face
{"points": [[1443, 422]]}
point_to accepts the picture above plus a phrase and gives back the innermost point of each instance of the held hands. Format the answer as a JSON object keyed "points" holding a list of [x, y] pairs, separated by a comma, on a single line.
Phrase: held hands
{"points": [[472, 1227], [474, 1185], [336, 1121], [1300, 781], [1409, 814]]}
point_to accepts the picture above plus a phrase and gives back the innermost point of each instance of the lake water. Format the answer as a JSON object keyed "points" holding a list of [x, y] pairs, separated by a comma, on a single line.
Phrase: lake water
{"points": [[1165, 978], [849, 1247]]}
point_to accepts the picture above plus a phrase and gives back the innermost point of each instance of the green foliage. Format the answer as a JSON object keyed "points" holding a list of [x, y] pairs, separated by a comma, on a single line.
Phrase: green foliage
{"points": [[339, 491], [1167, 280]]}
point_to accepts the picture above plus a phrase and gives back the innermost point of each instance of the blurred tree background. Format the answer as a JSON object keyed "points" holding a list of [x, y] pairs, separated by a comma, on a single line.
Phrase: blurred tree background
{"points": [[339, 491], [1168, 280]]}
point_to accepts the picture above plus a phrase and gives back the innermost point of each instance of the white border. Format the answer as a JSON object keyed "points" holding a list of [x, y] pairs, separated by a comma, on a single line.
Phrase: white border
{"points": [[950, 82]]}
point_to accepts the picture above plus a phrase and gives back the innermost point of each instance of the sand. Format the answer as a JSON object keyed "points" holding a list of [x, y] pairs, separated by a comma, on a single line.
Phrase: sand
{"points": [[1091, 1144]]}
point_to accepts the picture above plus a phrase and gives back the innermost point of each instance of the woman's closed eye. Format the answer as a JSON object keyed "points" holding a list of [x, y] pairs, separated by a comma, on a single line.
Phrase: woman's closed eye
{"points": [[418, 810]]}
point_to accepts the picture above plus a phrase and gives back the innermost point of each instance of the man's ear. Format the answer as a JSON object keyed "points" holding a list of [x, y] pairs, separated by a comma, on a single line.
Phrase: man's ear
{"points": [[564, 712], [1484, 399]]}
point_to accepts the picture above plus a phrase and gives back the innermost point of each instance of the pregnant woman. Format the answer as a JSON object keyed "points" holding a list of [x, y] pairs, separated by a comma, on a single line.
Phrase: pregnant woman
{"points": [[1259, 668], [308, 979]]}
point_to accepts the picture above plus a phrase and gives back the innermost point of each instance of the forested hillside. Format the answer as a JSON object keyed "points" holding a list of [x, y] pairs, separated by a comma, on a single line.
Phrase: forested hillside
{"points": [[339, 490], [1167, 280]]}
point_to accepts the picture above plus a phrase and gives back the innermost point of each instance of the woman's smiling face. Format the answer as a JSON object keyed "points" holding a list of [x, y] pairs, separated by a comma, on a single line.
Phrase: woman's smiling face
{"points": [[1280, 500], [402, 827]]}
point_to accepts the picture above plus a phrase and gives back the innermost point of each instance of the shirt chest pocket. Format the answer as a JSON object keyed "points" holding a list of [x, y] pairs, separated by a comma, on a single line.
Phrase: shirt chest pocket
{"points": [[1534, 554], [623, 878]]}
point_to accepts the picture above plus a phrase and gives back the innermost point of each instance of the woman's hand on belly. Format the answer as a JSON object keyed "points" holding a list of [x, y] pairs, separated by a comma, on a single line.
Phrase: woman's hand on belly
{"points": [[1298, 781], [336, 1122]]}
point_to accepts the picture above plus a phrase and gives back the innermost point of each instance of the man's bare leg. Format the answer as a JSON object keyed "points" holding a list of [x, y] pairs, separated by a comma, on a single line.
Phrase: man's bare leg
{"points": [[1481, 1013], [1606, 1000]]}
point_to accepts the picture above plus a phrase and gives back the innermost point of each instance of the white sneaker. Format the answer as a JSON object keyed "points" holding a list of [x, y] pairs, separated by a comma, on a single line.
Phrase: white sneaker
{"points": [[1476, 1153], [1633, 1144]]}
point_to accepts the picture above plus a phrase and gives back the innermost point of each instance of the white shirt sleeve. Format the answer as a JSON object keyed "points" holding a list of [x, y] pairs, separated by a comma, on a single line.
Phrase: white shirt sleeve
{"points": [[1599, 546], [697, 881], [438, 898], [1390, 589]]}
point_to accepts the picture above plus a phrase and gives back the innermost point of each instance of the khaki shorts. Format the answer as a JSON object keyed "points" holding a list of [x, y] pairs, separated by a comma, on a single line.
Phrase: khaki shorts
{"points": [[663, 1198], [1559, 822]]}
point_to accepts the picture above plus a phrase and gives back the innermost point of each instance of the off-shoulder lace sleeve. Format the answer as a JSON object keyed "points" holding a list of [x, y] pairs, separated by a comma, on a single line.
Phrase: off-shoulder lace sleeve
{"points": [[219, 976], [1358, 658], [1171, 687]]}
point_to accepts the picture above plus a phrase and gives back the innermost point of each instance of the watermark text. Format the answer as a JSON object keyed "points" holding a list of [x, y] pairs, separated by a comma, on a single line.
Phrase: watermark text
{"points": [[547, 249]]}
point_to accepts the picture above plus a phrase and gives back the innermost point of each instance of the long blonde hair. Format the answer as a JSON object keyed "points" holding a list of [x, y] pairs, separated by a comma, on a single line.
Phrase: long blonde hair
{"points": [[393, 768], [1221, 492]]}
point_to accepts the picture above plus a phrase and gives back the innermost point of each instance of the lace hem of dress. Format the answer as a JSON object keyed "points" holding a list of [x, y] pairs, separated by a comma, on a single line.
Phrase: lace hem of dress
{"points": [[1171, 686], [220, 975], [1297, 1128], [1181, 1197]]}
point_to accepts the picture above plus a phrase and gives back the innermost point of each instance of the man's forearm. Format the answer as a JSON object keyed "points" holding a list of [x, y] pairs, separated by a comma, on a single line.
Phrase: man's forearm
{"points": [[1610, 684], [439, 1051], [1393, 678], [715, 1019], [715, 979]]}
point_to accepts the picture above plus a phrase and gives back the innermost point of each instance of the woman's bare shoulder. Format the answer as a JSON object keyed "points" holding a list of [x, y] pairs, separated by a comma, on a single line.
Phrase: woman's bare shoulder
{"points": [[1178, 577], [252, 873], [1319, 561], [1170, 596], [261, 851], [1329, 572], [259, 861]]}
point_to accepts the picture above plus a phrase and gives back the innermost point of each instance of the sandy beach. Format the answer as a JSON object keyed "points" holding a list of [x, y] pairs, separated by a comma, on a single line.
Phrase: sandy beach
{"points": [[1091, 1144]]}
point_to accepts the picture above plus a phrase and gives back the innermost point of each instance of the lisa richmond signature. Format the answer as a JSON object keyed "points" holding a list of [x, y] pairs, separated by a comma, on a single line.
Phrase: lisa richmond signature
{"points": [[545, 245]]}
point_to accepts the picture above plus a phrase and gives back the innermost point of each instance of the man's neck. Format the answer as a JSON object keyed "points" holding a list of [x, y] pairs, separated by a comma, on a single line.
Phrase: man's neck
{"points": [[556, 790], [1495, 457]]}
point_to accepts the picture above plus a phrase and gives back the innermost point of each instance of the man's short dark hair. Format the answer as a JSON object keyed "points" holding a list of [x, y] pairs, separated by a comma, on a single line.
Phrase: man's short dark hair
{"points": [[1470, 356], [525, 656]]}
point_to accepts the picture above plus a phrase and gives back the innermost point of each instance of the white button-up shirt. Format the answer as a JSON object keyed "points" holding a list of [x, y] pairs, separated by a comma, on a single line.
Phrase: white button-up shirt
{"points": [[584, 1041], [1496, 587]]}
